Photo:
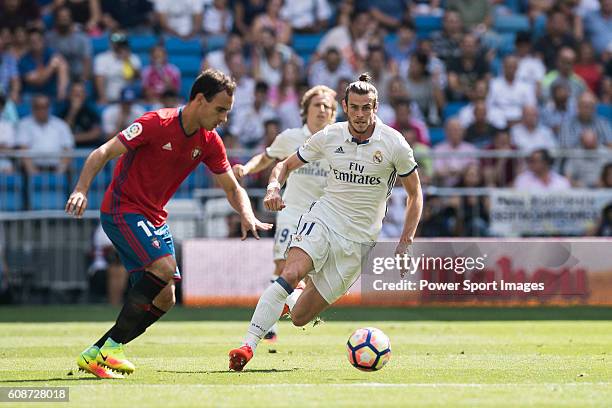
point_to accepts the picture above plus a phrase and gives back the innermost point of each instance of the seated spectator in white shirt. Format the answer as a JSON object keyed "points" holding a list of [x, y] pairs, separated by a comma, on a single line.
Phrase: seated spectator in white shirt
{"points": [[219, 59], [115, 69], [306, 16], [218, 18], [181, 18], [539, 176], [495, 116], [448, 166], [7, 140], [119, 116], [46, 137], [248, 123], [509, 94], [529, 134], [531, 69], [328, 70], [586, 164], [350, 40]]}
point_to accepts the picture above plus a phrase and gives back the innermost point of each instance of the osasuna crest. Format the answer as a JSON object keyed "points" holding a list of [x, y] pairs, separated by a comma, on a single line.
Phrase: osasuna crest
{"points": [[195, 153], [132, 131], [155, 242], [378, 157]]}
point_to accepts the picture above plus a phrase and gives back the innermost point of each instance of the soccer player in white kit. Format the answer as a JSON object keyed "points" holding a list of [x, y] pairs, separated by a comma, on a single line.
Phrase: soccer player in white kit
{"points": [[365, 157], [305, 185]]}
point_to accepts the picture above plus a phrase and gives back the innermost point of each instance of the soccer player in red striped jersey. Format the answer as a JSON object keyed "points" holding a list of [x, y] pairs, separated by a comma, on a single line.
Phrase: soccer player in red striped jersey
{"points": [[156, 153]]}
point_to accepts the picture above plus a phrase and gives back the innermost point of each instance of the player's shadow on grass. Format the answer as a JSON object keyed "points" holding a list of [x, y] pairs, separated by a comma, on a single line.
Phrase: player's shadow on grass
{"points": [[258, 371]]}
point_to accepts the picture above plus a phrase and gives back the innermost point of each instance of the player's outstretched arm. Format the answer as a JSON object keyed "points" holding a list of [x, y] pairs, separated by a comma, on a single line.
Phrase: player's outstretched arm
{"points": [[414, 207], [256, 164], [77, 202], [273, 200], [240, 201]]}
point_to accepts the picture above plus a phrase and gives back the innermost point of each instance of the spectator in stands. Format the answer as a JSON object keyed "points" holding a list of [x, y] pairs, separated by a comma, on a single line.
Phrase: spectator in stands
{"points": [[568, 8], [388, 14], [539, 176], [437, 218], [500, 171], [10, 84], [82, 117], [481, 132], [306, 16], [423, 88], [605, 180], [328, 70], [435, 66], [401, 47], [269, 56], [179, 18], [558, 35], [131, 15], [119, 116], [218, 18], [115, 69], [453, 155], [598, 26], [381, 70], [495, 116], [405, 121], [584, 168], [46, 137], [219, 59], [351, 40], [245, 12], [247, 123], [272, 20], [20, 13], [245, 85], [42, 70], [604, 228], [586, 117], [72, 44], [446, 42], [168, 99], [531, 69], [396, 90], [18, 45], [588, 68], [508, 94], [422, 154], [564, 72], [606, 83], [426, 8], [7, 140], [466, 69], [87, 14], [529, 134], [559, 108], [160, 76], [285, 97], [471, 211], [475, 14]]}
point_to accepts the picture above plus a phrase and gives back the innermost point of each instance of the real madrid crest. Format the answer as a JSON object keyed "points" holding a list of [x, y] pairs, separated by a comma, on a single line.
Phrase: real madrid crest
{"points": [[195, 153], [378, 157]]}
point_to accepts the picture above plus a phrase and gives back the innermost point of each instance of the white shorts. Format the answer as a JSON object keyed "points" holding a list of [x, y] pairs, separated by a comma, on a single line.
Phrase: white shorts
{"points": [[286, 224], [336, 260]]}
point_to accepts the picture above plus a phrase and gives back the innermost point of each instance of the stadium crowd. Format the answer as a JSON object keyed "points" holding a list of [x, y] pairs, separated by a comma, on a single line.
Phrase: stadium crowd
{"points": [[458, 78]]}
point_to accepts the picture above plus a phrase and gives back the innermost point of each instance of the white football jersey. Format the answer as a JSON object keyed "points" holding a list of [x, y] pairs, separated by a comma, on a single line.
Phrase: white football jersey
{"points": [[361, 178], [304, 185]]}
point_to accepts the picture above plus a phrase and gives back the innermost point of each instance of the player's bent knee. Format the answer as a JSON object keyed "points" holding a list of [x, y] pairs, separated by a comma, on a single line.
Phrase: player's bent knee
{"points": [[164, 268], [166, 299], [300, 319]]}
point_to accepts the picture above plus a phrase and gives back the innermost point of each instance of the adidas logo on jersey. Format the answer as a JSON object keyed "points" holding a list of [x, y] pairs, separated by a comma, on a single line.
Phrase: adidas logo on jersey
{"points": [[339, 150], [167, 146]]}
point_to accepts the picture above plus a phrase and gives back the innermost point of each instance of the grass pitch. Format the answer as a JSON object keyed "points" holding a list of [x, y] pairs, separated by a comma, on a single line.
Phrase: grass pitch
{"points": [[453, 363]]}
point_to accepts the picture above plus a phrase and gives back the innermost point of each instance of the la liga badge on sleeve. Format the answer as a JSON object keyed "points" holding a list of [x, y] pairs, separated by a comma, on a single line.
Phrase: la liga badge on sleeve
{"points": [[132, 131]]}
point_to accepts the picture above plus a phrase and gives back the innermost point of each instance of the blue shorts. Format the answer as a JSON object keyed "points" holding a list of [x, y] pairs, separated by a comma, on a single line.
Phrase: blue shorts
{"points": [[138, 242]]}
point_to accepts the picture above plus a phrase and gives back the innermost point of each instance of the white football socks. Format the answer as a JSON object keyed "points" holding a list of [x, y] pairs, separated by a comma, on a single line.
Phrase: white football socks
{"points": [[292, 298], [267, 312]]}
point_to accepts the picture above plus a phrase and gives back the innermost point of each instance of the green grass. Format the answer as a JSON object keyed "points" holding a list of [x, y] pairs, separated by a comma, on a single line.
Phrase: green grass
{"points": [[451, 363]]}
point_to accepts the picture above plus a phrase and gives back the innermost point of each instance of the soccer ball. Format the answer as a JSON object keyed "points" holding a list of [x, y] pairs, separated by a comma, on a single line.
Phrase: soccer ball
{"points": [[368, 349]]}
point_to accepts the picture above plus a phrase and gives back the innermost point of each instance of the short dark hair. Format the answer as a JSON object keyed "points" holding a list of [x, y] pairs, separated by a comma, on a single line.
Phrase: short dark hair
{"points": [[362, 86], [210, 82], [546, 156]]}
